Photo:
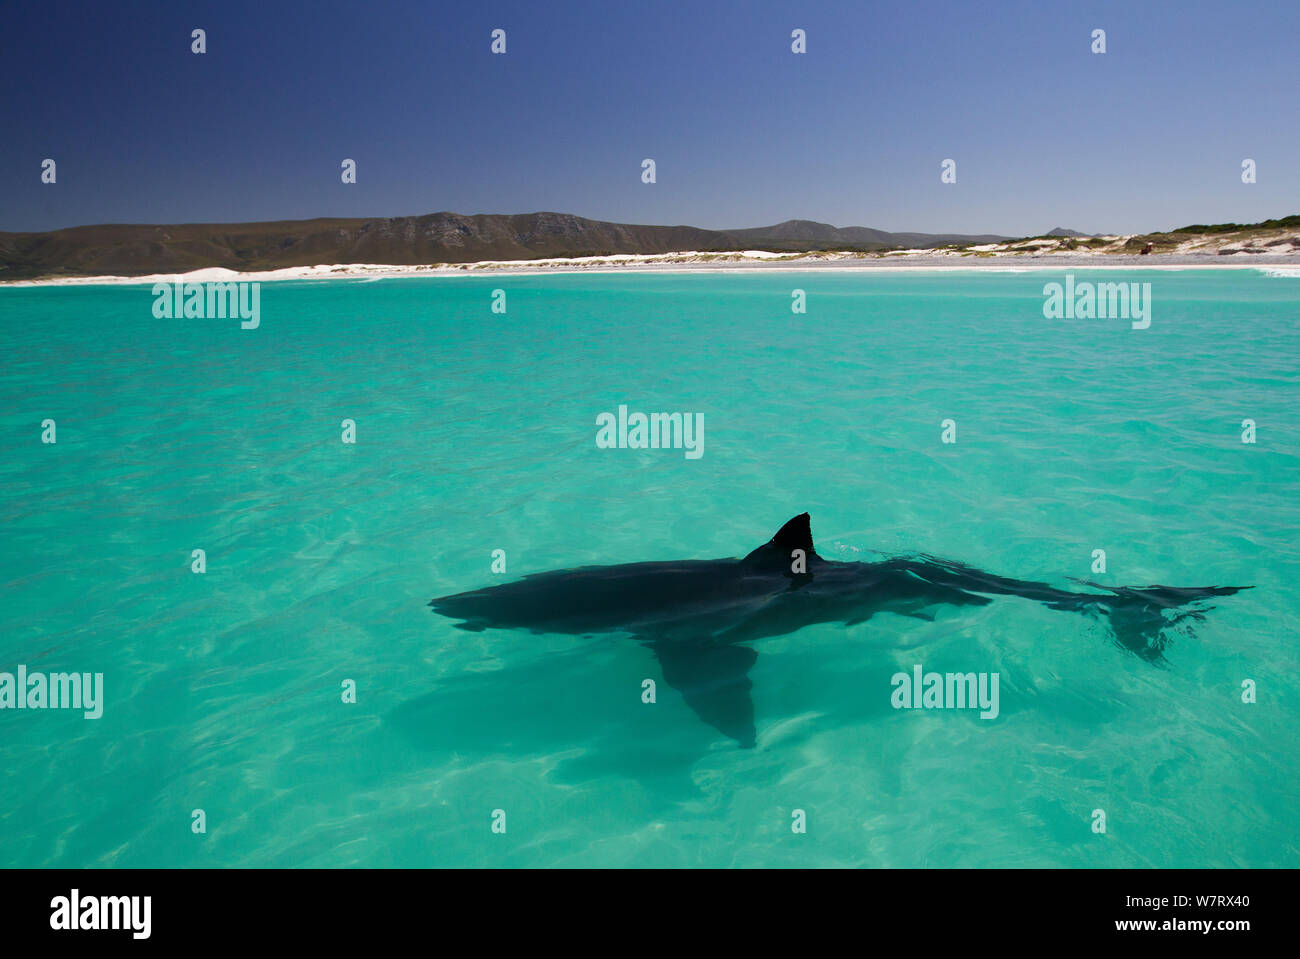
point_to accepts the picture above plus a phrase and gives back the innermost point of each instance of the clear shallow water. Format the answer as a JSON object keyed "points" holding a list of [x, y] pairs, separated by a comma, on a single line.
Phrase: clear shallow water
{"points": [[476, 432]]}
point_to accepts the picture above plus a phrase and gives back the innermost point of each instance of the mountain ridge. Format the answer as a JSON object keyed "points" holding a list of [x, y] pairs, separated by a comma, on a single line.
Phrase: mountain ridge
{"points": [[443, 237]]}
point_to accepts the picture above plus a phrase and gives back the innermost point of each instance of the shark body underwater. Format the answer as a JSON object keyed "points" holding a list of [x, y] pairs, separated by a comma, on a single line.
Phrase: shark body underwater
{"points": [[698, 615]]}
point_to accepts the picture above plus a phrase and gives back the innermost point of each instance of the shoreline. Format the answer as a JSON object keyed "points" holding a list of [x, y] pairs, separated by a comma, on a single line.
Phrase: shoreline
{"points": [[692, 262]]}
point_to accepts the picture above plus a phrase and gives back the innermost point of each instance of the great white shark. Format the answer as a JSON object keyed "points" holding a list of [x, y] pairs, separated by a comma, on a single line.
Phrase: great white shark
{"points": [[698, 616]]}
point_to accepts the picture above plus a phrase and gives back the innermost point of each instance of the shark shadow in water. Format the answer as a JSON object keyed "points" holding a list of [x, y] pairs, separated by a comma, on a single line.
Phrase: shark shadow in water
{"points": [[697, 615]]}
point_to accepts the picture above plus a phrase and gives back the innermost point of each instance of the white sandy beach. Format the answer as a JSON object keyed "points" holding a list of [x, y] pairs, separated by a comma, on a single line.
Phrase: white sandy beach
{"points": [[1287, 265]]}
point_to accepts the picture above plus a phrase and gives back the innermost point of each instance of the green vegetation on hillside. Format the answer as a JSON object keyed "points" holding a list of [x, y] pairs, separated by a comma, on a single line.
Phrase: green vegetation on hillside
{"points": [[1287, 222]]}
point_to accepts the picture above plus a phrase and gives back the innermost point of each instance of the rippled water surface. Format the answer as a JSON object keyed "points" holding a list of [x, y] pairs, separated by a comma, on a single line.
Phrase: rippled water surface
{"points": [[476, 432]]}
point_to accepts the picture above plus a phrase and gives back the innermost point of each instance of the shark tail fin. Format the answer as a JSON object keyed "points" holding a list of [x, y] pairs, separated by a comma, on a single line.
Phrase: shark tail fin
{"points": [[1141, 618]]}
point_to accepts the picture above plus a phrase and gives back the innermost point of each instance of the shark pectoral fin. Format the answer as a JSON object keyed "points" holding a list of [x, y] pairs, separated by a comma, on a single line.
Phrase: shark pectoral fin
{"points": [[714, 681]]}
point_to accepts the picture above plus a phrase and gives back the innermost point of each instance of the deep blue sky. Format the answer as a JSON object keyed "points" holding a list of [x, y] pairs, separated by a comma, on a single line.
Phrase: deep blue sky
{"points": [[745, 133]]}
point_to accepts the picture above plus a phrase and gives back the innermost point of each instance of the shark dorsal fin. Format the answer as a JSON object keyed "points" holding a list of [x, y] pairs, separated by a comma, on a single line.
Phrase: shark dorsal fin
{"points": [[779, 550], [795, 534]]}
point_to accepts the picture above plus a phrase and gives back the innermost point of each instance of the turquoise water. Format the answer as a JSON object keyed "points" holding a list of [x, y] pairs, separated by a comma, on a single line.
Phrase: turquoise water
{"points": [[476, 431]]}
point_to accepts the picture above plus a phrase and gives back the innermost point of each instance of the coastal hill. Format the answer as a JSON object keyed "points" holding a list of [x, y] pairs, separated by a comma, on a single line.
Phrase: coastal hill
{"points": [[454, 241], [135, 250], [803, 235]]}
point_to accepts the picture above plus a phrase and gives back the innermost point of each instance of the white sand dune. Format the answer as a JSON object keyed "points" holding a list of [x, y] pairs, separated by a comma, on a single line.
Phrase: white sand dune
{"points": [[990, 256]]}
